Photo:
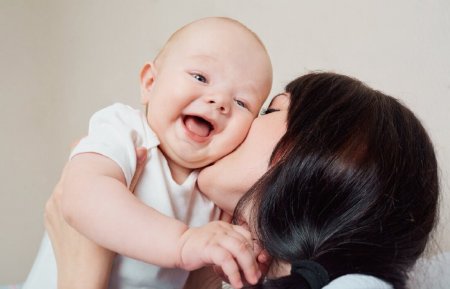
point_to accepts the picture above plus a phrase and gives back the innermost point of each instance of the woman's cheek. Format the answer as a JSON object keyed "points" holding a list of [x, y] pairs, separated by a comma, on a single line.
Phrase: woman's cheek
{"points": [[203, 181], [226, 177]]}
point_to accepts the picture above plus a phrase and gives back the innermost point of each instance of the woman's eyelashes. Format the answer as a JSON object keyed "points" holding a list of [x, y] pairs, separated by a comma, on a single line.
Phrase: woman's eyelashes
{"points": [[269, 110]]}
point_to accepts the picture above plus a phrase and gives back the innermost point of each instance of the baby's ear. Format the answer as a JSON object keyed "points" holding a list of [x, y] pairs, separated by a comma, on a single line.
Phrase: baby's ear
{"points": [[147, 76]]}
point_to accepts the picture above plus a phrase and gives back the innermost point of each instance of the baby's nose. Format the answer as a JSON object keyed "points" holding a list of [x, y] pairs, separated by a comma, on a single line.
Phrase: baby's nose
{"points": [[220, 103]]}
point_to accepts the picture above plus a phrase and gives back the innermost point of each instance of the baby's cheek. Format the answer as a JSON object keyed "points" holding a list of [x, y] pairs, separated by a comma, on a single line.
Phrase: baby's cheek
{"points": [[242, 128], [232, 139]]}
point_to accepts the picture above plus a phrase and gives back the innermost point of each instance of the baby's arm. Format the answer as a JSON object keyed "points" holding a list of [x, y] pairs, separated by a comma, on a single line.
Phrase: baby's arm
{"points": [[97, 203]]}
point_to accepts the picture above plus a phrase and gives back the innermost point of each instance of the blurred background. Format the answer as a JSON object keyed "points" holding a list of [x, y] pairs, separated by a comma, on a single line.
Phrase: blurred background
{"points": [[61, 60]]}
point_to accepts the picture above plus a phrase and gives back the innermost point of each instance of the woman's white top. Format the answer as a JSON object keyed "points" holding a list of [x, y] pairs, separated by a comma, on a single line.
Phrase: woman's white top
{"points": [[350, 281], [358, 281]]}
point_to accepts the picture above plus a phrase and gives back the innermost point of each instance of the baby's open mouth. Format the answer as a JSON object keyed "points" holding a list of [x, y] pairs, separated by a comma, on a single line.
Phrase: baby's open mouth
{"points": [[198, 125]]}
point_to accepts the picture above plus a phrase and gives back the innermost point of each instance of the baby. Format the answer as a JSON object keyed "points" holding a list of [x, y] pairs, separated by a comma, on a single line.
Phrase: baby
{"points": [[201, 94]]}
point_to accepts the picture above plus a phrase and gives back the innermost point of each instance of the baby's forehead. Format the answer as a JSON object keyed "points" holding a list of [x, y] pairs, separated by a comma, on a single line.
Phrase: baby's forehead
{"points": [[223, 32]]}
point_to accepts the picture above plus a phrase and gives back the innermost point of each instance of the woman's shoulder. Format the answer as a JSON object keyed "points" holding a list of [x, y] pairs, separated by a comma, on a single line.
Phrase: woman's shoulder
{"points": [[358, 281]]}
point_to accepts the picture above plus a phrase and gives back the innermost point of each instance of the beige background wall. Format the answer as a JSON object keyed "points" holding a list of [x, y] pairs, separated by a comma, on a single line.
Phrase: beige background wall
{"points": [[62, 60]]}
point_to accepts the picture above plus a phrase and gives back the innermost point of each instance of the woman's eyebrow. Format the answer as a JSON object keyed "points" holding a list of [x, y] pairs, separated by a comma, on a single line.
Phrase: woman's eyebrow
{"points": [[281, 93], [273, 98]]}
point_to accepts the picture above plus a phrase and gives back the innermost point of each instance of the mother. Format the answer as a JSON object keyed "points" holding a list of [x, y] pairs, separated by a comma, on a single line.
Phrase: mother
{"points": [[351, 187]]}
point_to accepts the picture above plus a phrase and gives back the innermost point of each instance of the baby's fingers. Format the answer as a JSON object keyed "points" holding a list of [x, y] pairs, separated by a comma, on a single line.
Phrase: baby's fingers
{"points": [[242, 250], [228, 265]]}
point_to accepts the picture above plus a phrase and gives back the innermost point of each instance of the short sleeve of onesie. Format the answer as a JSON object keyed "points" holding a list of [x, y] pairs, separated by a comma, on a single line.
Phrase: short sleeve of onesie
{"points": [[115, 132]]}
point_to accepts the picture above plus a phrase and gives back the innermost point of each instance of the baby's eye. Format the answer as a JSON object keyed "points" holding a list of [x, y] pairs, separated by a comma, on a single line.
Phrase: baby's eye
{"points": [[240, 103], [268, 110], [200, 77]]}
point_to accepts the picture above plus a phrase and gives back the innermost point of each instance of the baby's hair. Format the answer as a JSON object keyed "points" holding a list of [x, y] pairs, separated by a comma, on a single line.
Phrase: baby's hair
{"points": [[353, 184]]}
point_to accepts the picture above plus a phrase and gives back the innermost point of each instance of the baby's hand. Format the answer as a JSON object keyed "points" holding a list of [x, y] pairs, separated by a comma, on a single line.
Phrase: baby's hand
{"points": [[220, 243], [264, 260]]}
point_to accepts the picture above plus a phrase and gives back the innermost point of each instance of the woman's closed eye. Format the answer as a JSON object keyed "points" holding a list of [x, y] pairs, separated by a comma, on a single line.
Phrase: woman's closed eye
{"points": [[269, 110]]}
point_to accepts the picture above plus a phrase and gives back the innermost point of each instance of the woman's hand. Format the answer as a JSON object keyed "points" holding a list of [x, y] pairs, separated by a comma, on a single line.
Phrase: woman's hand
{"points": [[81, 263]]}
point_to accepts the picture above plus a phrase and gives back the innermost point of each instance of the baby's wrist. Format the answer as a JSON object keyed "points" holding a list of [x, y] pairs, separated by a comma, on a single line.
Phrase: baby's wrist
{"points": [[179, 262]]}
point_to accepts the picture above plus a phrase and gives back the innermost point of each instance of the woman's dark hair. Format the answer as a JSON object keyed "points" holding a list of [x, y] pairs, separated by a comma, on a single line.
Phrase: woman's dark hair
{"points": [[353, 184]]}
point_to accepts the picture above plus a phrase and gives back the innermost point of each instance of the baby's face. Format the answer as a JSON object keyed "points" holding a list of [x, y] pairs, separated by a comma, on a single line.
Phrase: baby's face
{"points": [[205, 91]]}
